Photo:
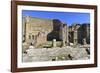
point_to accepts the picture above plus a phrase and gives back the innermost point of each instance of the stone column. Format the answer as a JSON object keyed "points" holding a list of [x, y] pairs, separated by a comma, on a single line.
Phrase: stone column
{"points": [[75, 37], [61, 32], [67, 40], [23, 28], [64, 36], [84, 41], [54, 43], [27, 24]]}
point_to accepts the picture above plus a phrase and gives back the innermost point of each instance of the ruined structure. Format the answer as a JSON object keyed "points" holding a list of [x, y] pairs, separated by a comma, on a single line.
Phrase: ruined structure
{"points": [[64, 34], [79, 34], [38, 31]]}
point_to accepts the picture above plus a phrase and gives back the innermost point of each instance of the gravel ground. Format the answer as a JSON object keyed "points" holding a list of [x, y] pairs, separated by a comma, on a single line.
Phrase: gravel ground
{"points": [[52, 54]]}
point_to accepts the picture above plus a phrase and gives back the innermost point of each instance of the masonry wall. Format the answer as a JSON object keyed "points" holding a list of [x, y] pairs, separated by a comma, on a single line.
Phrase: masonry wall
{"points": [[33, 26], [54, 29]]}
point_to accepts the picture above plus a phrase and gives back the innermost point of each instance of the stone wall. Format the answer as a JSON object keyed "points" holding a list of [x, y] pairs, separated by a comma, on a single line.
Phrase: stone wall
{"points": [[37, 31], [78, 33], [34, 26], [40, 39]]}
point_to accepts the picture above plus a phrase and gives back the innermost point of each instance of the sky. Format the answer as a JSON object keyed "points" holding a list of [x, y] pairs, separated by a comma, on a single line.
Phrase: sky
{"points": [[66, 17]]}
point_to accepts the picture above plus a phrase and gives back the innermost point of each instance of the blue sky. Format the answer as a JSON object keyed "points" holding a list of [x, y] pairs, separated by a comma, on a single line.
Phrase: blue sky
{"points": [[65, 17]]}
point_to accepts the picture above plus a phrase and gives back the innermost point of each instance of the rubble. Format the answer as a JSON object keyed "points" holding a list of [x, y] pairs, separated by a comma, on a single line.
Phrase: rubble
{"points": [[55, 54]]}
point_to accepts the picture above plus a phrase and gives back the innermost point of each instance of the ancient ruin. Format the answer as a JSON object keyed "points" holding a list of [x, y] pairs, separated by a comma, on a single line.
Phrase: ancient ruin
{"points": [[38, 31], [47, 33]]}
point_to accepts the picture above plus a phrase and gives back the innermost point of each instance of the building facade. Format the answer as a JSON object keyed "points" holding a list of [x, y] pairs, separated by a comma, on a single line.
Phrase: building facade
{"points": [[38, 31]]}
